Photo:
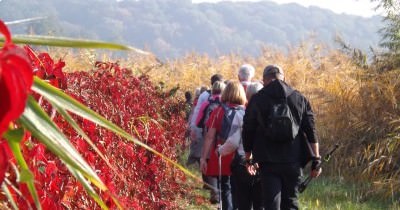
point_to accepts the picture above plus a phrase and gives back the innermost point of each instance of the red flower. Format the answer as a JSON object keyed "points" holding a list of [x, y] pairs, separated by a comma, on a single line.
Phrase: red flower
{"points": [[16, 78]]}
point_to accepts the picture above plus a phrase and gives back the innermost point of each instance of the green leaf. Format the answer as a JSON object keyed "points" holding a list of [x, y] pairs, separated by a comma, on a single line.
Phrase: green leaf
{"points": [[87, 187], [26, 20], [69, 42], [72, 122], [10, 198], [25, 175], [64, 101], [40, 125], [14, 134]]}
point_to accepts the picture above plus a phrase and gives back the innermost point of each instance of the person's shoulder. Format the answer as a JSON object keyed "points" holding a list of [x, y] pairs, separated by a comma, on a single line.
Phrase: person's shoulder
{"points": [[297, 92], [203, 97], [204, 94], [261, 93], [299, 96]]}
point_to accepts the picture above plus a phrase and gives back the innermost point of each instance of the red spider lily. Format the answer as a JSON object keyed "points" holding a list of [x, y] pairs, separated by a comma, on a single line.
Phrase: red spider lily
{"points": [[16, 78]]}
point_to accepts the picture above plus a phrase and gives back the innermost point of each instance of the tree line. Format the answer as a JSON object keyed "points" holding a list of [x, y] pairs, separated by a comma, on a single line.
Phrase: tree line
{"points": [[172, 28]]}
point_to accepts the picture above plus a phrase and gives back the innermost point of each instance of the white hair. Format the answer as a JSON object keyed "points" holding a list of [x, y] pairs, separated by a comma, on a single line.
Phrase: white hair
{"points": [[253, 88], [246, 72], [197, 92]]}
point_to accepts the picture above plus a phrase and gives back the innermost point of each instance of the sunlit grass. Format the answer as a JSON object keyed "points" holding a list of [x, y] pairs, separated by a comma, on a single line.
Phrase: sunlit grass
{"points": [[328, 194]]}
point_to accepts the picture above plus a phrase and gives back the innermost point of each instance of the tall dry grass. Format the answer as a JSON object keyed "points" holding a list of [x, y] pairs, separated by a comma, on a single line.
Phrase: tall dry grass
{"points": [[355, 107]]}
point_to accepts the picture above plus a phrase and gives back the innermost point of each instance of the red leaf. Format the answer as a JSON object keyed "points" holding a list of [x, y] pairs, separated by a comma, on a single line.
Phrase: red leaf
{"points": [[51, 168]]}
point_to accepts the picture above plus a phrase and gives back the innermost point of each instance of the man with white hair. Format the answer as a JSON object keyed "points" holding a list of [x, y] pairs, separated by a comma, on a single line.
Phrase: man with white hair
{"points": [[246, 74]]}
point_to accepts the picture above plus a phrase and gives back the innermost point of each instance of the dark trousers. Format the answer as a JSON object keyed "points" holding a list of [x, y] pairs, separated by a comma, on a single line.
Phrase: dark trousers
{"points": [[226, 193], [234, 199], [248, 191], [213, 181], [280, 184]]}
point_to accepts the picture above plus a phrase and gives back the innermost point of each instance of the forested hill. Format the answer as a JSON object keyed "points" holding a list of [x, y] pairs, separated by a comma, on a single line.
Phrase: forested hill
{"points": [[172, 28]]}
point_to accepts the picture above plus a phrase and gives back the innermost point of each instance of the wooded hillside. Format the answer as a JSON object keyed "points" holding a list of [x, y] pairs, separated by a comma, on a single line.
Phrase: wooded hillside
{"points": [[172, 28]]}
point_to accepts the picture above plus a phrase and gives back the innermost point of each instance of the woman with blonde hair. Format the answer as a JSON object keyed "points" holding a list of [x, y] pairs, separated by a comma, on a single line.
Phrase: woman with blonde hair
{"points": [[248, 192], [233, 100]]}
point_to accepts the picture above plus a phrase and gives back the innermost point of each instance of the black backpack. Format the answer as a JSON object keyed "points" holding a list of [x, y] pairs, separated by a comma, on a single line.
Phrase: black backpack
{"points": [[212, 104], [281, 126]]}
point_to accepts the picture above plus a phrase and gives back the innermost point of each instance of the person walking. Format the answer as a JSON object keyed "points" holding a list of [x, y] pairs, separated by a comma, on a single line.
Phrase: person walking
{"points": [[210, 182], [248, 194], [245, 75], [275, 120], [233, 99]]}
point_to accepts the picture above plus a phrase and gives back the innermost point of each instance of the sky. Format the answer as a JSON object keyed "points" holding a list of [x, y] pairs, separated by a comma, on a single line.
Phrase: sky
{"points": [[363, 8]]}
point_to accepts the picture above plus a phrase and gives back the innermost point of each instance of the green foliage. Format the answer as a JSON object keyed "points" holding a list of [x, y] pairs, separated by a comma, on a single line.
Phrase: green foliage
{"points": [[390, 35], [172, 28]]}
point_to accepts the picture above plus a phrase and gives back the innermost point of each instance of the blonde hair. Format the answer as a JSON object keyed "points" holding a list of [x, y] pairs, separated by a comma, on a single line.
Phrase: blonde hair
{"points": [[218, 87], [234, 93], [252, 89]]}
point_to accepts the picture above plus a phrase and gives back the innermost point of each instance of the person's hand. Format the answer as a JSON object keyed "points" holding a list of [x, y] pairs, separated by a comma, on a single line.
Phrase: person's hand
{"points": [[218, 150], [315, 173], [203, 165], [251, 168], [316, 169]]}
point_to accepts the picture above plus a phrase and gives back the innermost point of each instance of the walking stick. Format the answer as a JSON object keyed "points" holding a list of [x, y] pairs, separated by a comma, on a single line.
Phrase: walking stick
{"points": [[326, 158], [219, 180]]}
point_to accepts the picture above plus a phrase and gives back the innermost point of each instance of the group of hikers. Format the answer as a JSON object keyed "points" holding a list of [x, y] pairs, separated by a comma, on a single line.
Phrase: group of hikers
{"points": [[251, 140]]}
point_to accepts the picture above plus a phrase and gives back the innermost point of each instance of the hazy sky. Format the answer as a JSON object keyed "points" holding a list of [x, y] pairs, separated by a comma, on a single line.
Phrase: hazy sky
{"points": [[355, 7]]}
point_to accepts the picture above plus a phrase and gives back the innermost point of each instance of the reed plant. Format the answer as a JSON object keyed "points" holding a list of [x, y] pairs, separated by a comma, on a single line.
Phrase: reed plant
{"points": [[355, 107]]}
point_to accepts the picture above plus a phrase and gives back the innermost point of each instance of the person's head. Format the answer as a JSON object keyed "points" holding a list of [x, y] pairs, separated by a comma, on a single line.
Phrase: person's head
{"points": [[216, 77], [234, 94], [272, 72], [188, 96], [218, 87], [246, 72], [202, 89], [197, 93], [252, 89]]}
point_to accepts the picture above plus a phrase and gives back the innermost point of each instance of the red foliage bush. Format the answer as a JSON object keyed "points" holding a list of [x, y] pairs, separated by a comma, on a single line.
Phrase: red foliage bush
{"points": [[139, 180]]}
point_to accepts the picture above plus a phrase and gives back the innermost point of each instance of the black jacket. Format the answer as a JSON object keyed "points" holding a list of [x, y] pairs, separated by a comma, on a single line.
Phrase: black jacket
{"points": [[254, 140]]}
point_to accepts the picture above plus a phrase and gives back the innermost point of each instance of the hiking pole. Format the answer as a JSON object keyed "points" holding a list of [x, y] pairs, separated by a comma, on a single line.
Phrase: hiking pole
{"points": [[219, 180], [326, 158]]}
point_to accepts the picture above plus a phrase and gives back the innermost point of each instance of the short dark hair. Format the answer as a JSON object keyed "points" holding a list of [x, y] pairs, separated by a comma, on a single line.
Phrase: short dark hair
{"points": [[216, 77], [273, 71], [188, 96]]}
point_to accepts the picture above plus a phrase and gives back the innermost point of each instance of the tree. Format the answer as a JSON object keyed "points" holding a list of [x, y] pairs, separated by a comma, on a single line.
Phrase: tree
{"points": [[390, 35]]}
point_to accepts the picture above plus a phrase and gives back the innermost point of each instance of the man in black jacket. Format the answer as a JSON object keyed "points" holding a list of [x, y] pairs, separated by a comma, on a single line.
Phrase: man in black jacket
{"points": [[280, 163]]}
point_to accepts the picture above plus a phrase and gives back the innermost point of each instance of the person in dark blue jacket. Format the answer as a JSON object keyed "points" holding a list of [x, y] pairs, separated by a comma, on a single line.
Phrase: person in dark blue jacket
{"points": [[280, 163]]}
